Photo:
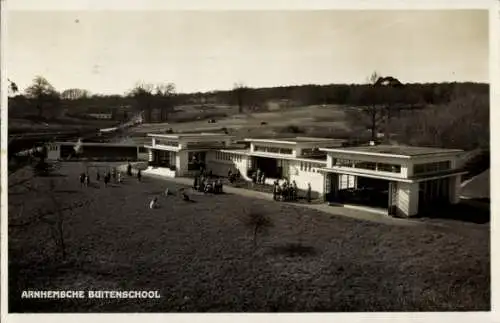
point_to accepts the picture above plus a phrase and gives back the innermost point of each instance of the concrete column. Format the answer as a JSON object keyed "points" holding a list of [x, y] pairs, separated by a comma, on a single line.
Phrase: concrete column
{"points": [[181, 163], [407, 198], [329, 161], [454, 189]]}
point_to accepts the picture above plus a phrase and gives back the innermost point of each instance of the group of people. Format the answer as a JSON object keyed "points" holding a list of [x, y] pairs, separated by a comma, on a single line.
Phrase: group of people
{"points": [[233, 176], [84, 179], [259, 177], [154, 204], [288, 191], [206, 184], [108, 176]]}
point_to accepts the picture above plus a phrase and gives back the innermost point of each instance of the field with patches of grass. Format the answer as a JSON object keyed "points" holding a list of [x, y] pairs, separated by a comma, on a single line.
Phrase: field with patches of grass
{"points": [[201, 257], [309, 120]]}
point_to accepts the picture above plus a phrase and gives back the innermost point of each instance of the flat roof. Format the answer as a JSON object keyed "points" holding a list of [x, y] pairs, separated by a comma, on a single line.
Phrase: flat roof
{"points": [[296, 140], [394, 150], [188, 135], [103, 144], [270, 155]]}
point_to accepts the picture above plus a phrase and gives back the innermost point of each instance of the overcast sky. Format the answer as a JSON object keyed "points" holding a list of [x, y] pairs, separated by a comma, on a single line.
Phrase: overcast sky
{"points": [[109, 51]]}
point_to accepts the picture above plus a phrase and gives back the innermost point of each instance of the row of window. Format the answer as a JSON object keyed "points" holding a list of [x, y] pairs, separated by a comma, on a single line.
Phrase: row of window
{"points": [[381, 167], [167, 142], [308, 167], [312, 152], [219, 155], [431, 167], [274, 150], [205, 145]]}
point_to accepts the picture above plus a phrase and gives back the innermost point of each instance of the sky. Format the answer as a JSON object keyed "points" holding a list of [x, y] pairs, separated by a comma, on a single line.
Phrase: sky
{"points": [[108, 52]]}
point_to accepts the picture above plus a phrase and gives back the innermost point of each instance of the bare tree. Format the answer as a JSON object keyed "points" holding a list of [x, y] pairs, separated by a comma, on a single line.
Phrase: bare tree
{"points": [[372, 108], [165, 94], [257, 222], [143, 95], [75, 94], [165, 89], [13, 89], [240, 93], [380, 100], [42, 94]]}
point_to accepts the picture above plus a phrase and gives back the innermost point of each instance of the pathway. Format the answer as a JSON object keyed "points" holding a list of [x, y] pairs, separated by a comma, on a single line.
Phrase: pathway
{"points": [[333, 210]]}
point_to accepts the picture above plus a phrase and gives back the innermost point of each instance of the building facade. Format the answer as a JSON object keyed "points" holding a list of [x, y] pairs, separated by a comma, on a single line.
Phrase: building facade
{"points": [[399, 180], [183, 154], [402, 180], [296, 159]]}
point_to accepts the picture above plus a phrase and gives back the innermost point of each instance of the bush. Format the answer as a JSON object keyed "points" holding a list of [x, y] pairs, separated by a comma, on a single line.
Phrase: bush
{"points": [[257, 222], [42, 168], [292, 129]]}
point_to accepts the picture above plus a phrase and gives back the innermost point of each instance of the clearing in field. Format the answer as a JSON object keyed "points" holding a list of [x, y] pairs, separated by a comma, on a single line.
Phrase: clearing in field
{"points": [[207, 255]]}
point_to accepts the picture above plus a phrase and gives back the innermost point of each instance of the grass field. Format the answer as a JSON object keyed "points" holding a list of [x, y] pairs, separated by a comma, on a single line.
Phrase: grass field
{"points": [[26, 125], [309, 120], [200, 255]]}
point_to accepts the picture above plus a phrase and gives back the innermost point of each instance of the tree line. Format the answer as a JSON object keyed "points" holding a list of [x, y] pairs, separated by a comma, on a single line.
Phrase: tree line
{"points": [[147, 96], [446, 114]]}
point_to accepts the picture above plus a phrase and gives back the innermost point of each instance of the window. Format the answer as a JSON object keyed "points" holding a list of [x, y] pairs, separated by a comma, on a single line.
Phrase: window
{"points": [[167, 142], [381, 167], [343, 162], [431, 167], [273, 150], [312, 152], [365, 165], [392, 168]]}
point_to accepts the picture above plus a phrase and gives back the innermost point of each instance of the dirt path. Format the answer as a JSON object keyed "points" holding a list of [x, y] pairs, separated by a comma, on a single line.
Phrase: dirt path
{"points": [[333, 210]]}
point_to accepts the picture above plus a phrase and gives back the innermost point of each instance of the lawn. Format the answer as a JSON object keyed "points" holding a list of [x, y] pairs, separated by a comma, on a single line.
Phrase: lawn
{"points": [[201, 257], [307, 121]]}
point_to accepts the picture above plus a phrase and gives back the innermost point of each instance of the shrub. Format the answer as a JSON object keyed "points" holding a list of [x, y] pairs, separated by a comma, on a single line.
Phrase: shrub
{"points": [[292, 129], [258, 222]]}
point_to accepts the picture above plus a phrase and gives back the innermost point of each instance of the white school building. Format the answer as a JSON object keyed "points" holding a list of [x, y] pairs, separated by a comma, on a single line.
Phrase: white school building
{"points": [[398, 180]]}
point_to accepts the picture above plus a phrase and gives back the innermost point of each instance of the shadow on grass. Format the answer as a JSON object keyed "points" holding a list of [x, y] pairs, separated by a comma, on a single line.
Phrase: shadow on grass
{"points": [[110, 186], [52, 175], [473, 211], [294, 249], [67, 191]]}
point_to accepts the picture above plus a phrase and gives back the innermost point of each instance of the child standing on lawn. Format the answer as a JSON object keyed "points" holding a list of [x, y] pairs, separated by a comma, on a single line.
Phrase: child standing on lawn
{"points": [[154, 203]]}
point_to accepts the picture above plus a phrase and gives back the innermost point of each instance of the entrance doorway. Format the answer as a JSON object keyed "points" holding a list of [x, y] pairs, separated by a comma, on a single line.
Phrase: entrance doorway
{"points": [[357, 190], [272, 168], [196, 160], [433, 195]]}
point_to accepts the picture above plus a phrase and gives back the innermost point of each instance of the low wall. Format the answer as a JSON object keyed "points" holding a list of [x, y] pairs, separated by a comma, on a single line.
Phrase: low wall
{"points": [[105, 153], [160, 171]]}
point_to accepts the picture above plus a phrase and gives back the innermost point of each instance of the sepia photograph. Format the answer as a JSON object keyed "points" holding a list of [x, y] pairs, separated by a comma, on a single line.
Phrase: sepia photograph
{"points": [[229, 161]]}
